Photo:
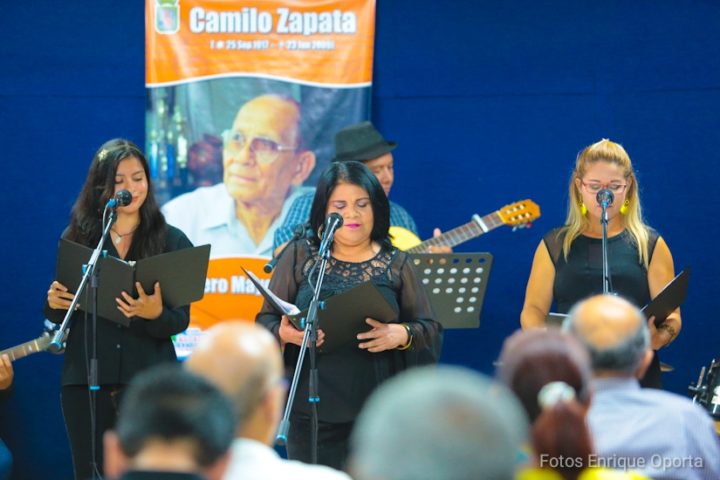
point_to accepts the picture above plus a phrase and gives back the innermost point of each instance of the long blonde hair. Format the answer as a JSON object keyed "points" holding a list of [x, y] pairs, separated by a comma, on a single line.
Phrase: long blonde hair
{"points": [[610, 152]]}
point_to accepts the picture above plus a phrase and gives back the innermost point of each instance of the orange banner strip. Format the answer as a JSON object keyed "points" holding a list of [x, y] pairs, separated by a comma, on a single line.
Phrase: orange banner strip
{"points": [[321, 42]]}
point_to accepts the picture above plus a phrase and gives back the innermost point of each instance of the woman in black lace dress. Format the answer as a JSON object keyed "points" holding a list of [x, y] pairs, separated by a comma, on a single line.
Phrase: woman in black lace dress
{"points": [[361, 252]]}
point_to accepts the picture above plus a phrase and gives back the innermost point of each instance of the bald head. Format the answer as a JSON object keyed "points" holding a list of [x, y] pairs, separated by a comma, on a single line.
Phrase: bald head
{"points": [[614, 332], [243, 360]]}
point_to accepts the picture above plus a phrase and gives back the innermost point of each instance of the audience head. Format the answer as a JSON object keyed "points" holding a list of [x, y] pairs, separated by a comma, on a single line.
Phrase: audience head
{"points": [[615, 333], [171, 420], [263, 152], [373, 198], [244, 361], [438, 422], [531, 359], [363, 143], [550, 373]]}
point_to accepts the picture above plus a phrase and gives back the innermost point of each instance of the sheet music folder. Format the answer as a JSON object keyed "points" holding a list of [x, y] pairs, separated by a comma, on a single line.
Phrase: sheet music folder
{"points": [[343, 315], [181, 275], [671, 297]]}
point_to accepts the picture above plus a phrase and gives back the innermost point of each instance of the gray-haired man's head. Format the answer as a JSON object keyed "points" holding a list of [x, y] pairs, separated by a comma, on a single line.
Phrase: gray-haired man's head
{"points": [[438, 422], [613, 330]]}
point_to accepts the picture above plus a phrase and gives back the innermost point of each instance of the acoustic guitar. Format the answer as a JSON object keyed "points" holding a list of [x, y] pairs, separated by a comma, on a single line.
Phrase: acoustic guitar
{"points": [[40, 344], [518, 215]]}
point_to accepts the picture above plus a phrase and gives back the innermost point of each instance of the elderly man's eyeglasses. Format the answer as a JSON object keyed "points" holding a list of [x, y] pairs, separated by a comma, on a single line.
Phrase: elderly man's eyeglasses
{"points": [[265, 150], [594, 187]]}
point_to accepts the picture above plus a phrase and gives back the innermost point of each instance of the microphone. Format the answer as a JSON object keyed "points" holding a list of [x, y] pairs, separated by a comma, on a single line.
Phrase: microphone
{"points": [[605, 198], [332, 223], [121, 199], [298, 233]]}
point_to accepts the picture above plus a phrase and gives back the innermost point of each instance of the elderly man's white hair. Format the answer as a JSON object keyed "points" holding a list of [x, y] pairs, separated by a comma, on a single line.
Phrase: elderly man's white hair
{"points": [[438, 423]]}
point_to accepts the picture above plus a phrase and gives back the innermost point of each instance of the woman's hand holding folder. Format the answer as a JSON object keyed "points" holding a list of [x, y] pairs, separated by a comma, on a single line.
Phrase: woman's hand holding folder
{"points": [[145, 306], [289, 334], [58, 296]]}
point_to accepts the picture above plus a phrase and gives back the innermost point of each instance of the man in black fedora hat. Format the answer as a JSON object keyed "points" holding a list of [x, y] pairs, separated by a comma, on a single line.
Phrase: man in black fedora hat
{"points": [[362, 143]]}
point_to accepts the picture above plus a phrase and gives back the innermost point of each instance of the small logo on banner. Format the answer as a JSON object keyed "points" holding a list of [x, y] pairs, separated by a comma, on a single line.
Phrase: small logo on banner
{"points": [[167, 16]]}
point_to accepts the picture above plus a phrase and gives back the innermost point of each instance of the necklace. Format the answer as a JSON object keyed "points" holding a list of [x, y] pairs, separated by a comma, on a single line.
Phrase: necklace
{"points": [[120, 236]]}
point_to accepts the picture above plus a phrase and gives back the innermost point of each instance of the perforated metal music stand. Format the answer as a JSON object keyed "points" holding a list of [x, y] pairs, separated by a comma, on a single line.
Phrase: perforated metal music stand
{"points": [[455, 284]]}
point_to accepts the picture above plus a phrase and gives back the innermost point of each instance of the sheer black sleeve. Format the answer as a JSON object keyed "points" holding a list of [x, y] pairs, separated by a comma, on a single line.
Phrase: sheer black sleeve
{"points": [[284, 283]]}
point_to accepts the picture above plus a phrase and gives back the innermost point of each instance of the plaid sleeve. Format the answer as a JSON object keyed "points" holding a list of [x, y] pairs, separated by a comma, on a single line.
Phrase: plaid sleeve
{"points": [[399, 217], [299, 213]]}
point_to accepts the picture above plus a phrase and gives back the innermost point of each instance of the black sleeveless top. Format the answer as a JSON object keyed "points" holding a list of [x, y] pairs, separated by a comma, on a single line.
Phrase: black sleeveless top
{"points": [[580, 276]]}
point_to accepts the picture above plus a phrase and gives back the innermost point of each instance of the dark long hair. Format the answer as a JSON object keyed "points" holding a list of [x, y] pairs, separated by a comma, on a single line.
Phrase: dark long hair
{"points": [[86, 219], [354, 173]]}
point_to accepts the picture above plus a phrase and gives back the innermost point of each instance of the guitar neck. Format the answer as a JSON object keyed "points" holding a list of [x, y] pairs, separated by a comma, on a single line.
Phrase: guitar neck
{"points": [[461, 234], [24, 349]]}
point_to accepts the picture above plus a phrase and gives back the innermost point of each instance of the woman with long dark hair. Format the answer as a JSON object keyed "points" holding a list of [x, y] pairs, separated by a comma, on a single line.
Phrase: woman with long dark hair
{"points": [[361, 252], [139, 232]]}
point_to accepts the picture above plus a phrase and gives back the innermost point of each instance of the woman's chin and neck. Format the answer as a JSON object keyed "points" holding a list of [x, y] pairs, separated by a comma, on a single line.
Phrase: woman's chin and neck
{"points": [[593, 227]]}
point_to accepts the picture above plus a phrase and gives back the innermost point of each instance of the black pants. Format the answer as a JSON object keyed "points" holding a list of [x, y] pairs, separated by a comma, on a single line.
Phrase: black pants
{"points": [[77, 412], [332, 442]]}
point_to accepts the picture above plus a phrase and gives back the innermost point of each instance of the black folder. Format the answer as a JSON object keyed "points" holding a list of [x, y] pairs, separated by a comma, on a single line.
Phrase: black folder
{"points": [[342, 316], [181, 275], [670, 298], [554, 319]]}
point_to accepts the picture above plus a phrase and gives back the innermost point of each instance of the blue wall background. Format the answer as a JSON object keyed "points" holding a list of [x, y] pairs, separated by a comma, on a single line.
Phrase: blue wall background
{"points": [[489, 102]]}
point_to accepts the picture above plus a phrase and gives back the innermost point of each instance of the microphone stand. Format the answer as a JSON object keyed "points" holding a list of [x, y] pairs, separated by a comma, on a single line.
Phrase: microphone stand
{"points": [[88, 272], [299, 232], [89, 276], [607, 286], [309, 335]]}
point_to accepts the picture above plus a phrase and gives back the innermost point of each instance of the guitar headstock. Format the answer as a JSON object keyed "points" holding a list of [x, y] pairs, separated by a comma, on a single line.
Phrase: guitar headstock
{"points": [[519, 214], [44, 341]]}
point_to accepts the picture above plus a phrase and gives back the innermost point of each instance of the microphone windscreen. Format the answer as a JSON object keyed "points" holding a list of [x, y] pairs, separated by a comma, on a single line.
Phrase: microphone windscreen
{"points": [[124, 198], [334, 218], [605, 196]]}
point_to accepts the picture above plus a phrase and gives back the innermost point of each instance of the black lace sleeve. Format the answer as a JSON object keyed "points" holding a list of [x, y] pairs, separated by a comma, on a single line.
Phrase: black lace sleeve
{"points": [[283, 283], [416, 311]]}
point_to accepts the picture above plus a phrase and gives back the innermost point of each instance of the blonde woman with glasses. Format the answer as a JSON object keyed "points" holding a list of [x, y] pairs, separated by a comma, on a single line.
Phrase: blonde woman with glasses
{"points": [[567, 266]]}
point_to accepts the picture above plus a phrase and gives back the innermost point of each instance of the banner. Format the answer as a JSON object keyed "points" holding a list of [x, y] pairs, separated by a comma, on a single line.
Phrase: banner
{"points": [[243, 103]]}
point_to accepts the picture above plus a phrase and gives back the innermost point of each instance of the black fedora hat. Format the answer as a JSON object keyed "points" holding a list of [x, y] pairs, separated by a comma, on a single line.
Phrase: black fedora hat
{"points": [[360, 142]]}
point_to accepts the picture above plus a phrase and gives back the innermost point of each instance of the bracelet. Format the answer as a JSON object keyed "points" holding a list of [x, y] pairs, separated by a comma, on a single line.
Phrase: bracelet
{"points": [[410, 337]]}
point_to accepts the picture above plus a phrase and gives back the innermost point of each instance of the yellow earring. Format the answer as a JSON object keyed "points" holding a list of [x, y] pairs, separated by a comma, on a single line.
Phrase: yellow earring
{"points": [[583, 209], [625, 207]]}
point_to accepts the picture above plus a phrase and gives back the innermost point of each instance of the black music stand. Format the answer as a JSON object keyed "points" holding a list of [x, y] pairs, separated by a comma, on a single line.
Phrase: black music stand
{"points": [[455, 284]]}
